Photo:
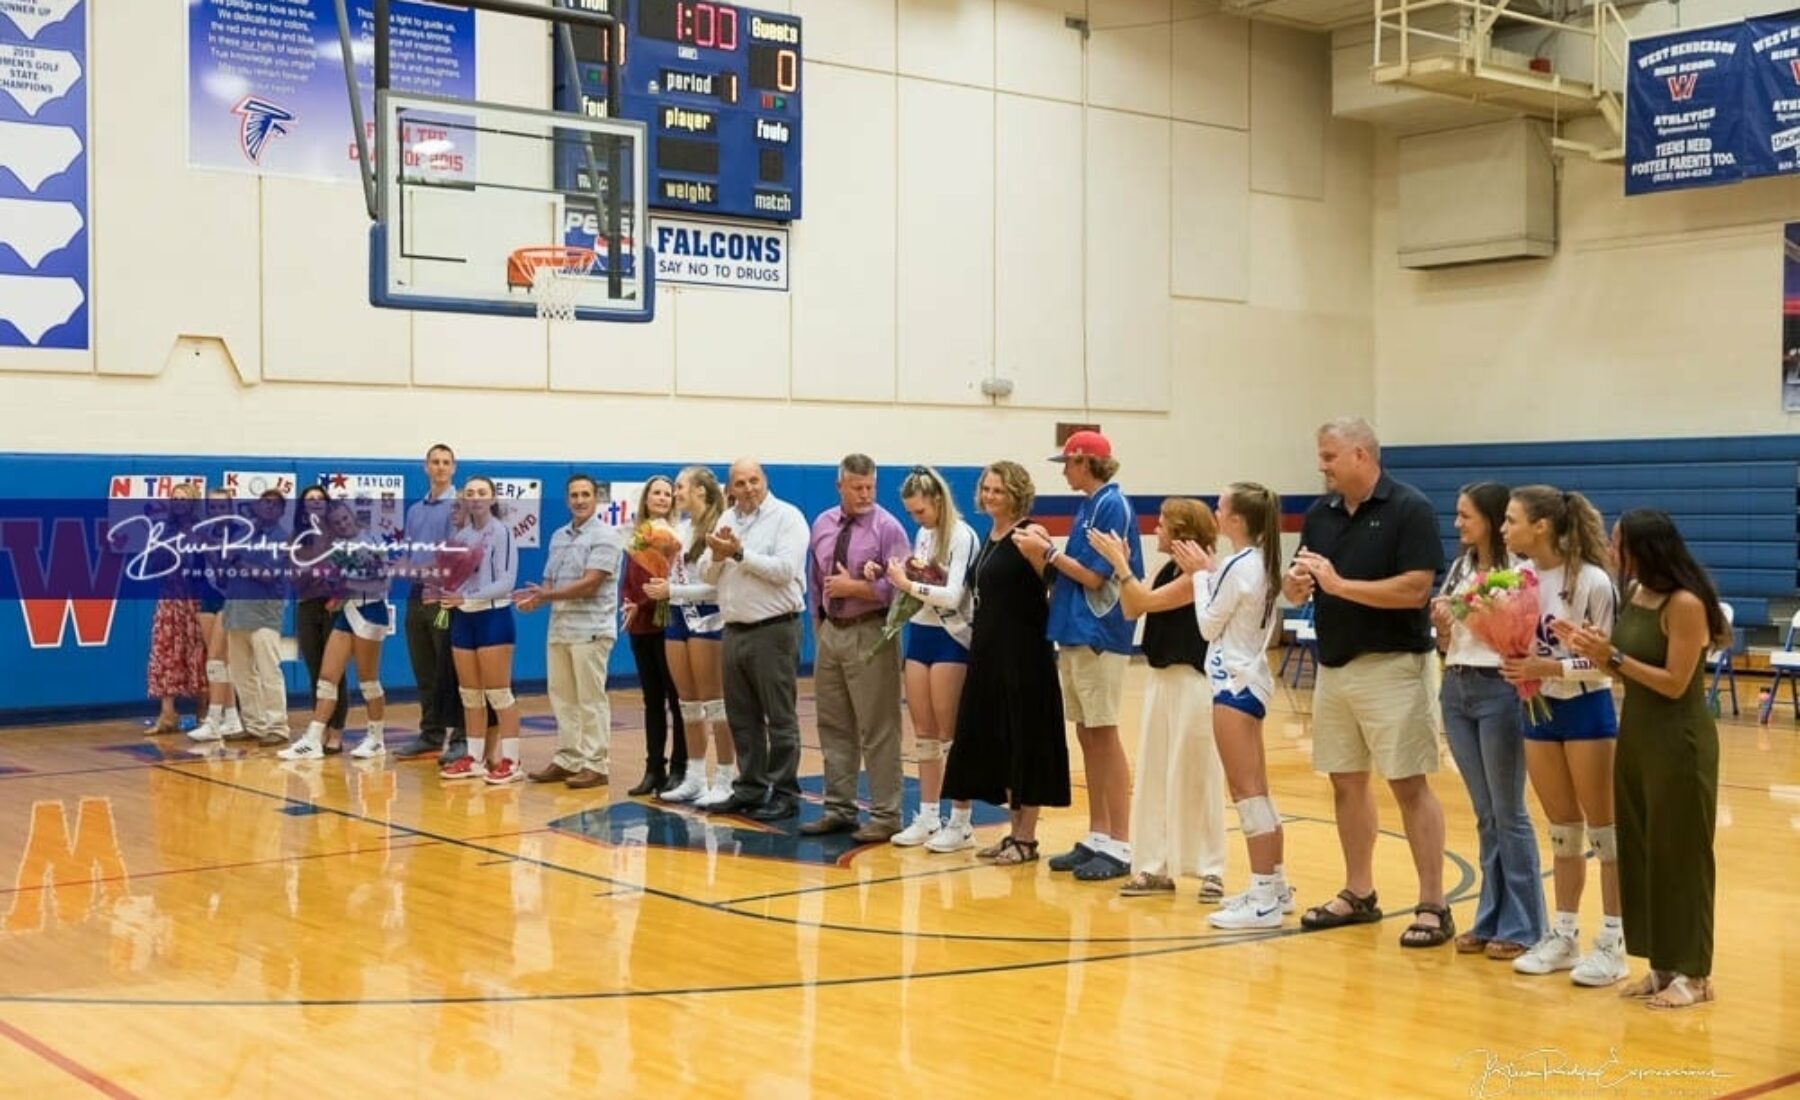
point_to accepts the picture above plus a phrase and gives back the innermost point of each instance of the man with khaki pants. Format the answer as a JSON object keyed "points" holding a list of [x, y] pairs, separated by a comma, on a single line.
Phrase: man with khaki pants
{"points": [[256, 573], [584, 606], [858, 700], [1369, 554]]}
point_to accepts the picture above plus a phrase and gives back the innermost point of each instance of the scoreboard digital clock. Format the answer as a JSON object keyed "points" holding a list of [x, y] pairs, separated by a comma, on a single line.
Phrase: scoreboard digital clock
{"points": [[717, 86]]}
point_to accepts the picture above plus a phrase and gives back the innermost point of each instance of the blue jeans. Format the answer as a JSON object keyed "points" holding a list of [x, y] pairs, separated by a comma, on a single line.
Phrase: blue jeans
{"points": [[1482, 722]]}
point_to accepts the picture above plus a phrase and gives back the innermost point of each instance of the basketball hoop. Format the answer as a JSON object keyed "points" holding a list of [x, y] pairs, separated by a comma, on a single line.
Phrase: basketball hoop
{"points": [[554, 273]]}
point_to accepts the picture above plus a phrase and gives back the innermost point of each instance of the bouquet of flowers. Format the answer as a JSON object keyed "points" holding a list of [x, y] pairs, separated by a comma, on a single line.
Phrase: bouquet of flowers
{"points": [[905, 604], [1500, 606], [450, 568], [654, 547]]}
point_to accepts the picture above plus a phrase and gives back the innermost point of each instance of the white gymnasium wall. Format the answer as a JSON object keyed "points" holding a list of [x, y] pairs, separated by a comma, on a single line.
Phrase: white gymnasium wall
{"points": [[1658, 316], [1161, 229]]}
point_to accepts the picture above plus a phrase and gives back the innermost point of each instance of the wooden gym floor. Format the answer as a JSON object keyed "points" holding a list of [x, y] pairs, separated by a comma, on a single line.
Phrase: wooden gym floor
{"points": [[226, 926]]}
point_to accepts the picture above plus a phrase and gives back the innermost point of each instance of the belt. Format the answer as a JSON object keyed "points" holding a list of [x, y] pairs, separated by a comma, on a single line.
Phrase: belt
{"points": [[772, 620], [1474, 670], [855, 620]]}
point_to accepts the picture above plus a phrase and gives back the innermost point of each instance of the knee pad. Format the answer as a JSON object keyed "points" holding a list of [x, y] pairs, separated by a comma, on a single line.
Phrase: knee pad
{"points": [[1257, 816], [1606, 842], [714, 710], [927, 749], [499, 698], [326, 691], [471, 698], [1565, 841], [216, 672], [692, 711], [372, 690]]}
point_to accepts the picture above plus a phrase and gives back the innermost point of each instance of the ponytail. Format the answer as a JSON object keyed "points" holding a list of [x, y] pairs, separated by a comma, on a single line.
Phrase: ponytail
{"points": [[709, 516], [926, 482], [1585, 540], [1261, 509]]}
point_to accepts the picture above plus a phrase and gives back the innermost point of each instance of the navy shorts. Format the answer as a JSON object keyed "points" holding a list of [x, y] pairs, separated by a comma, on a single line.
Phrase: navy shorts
{"points": [[1588, 717], [676, 630], [370, 621], [481, 629], [1242, 701], [933, 645], [212, 601]]}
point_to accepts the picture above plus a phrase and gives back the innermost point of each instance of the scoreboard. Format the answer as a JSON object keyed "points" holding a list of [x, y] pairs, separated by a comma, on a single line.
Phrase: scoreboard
{"points": [[718, 88]]}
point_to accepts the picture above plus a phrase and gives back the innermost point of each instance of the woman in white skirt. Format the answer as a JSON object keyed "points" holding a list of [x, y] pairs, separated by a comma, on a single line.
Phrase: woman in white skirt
{"points": [[1178, 801]]}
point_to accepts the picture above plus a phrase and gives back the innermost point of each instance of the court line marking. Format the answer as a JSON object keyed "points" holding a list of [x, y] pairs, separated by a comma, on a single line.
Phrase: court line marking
{"points": [[67, 1064]]}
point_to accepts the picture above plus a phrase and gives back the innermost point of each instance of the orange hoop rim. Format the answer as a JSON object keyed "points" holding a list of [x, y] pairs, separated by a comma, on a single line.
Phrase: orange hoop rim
{"points": [[524, 263]]}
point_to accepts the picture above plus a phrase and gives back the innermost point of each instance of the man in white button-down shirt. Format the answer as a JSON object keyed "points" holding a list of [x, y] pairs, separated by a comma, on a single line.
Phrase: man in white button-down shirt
{"points": [[759, 565]]}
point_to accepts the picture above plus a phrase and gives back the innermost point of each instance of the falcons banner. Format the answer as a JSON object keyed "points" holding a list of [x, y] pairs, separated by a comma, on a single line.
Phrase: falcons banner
{"points": [[1685, 109]]}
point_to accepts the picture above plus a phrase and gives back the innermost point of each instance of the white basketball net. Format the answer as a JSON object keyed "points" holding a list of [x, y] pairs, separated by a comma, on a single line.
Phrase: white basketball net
{"points": [[555, 290]]}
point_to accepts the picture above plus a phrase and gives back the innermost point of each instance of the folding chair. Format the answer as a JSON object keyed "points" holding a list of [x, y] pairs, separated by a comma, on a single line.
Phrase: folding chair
{"points": [[1785, 664], [1723, 666]]}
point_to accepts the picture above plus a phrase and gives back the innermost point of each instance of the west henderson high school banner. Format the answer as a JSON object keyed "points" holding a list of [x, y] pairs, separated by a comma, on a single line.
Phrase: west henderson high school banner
{"points": [[1713, 105]]}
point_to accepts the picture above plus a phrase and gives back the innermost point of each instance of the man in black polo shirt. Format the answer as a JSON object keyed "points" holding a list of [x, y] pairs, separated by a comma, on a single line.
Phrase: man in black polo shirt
{"points": [[1369, 552]]}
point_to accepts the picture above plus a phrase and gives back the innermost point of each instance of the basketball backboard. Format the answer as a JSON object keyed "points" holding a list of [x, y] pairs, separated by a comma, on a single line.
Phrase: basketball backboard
{"points": [[474, 208]]}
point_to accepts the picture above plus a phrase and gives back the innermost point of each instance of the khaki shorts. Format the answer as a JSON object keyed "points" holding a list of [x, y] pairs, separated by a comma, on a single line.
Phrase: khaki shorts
{"points": [[1092, 685], [1376, 710]]}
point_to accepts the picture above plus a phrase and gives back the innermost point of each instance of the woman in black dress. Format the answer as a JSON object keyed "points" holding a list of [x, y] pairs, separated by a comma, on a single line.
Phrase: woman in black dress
{"points": [[1010, 745]]}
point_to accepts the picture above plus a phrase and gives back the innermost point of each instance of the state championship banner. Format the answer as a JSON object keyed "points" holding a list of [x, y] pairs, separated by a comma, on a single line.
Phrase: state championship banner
{"points": [[1685, 109], [45, 254], [266, 82]]}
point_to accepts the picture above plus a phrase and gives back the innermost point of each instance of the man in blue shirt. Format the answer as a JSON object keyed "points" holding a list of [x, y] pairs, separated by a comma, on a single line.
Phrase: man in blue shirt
{"points": [[1093, 639], [427, 647]]}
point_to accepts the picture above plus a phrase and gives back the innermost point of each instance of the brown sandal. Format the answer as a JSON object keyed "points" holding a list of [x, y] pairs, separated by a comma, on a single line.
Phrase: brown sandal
{"points": [[1363, 910], [1014, 852], [1504, 950], [1424, 935], [992, 850], [1470, 944], [1146, 885]]}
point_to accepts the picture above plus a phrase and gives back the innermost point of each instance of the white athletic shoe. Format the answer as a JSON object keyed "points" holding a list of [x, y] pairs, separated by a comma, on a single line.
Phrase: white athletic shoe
{"points": [[205, 731], [691, 787], [233, 726], [952, 836], [370, 748], [1552, 953], [924, 826], [1243, 897], [1248, 911], [307, 748], [716, 795], [1602, 966]]}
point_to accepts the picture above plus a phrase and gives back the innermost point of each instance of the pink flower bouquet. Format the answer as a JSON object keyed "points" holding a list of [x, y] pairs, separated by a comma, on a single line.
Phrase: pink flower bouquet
{"points": [[1500, 606]]}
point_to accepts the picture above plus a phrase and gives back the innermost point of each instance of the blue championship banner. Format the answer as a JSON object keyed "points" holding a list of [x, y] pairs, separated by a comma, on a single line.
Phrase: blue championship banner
{"points": [[266, 80], [44, 249], [1685, 109]]}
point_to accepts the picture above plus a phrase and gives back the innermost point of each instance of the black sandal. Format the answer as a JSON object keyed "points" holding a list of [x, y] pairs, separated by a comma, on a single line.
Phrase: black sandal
{"points": [[1363, 910], [1424, 935]]}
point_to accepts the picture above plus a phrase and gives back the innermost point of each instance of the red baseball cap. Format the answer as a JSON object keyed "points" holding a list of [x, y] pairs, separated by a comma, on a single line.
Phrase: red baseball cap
{"points": [[1084, 445]]}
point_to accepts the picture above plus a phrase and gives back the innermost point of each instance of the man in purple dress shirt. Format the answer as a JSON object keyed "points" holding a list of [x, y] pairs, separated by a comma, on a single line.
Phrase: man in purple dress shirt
{"points": [[858, 700]]}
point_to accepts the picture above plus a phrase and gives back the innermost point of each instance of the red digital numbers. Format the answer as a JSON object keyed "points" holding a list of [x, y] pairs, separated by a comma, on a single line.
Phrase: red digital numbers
{"points": [[708, 26]]}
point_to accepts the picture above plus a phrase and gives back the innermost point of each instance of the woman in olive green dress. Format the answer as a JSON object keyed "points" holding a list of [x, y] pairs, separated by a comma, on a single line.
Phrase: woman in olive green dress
{"points": [[1666, 775]]}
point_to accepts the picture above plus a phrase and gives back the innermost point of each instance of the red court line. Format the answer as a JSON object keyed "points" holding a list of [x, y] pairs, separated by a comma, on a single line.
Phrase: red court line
{"points": [[68, 1065], [1764, 1088]]}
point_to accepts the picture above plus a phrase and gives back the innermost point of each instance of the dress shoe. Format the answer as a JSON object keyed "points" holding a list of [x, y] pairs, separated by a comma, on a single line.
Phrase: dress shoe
{"points": [[675, 779], [875, 832], [550, 773], [830, 823], [652, 782], [587, 779], [733, 805], [779, 809]]}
